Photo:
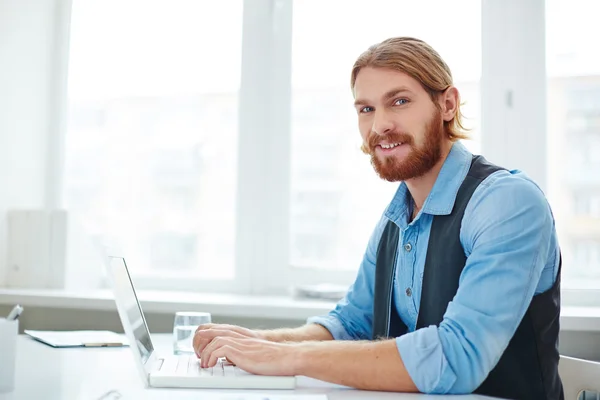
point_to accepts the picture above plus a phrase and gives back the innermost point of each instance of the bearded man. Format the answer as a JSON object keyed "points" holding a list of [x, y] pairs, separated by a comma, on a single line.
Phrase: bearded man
{"points": [[459, 287]]}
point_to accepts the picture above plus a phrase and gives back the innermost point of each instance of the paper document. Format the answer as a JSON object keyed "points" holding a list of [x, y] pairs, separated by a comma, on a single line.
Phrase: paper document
{"points": [[78, 338]]}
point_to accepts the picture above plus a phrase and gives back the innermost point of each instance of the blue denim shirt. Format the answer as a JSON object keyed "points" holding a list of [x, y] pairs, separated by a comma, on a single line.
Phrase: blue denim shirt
{"points": [[509, 238]]}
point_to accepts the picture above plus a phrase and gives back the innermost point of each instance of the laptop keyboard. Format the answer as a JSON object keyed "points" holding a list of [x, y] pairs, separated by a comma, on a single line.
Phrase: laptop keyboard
{"points": [[190, 365]]}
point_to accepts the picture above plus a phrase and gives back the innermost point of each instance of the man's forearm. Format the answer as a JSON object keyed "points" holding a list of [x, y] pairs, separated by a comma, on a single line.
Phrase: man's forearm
{"points": [[304, 333], [362, 365]]}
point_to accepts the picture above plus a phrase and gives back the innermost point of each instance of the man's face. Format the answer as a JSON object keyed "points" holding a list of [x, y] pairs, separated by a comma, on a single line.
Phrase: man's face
{"points": [[401, 127]]}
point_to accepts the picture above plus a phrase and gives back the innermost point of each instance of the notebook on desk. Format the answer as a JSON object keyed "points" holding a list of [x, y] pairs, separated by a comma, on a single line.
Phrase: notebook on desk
{"points": [[61, 339]]}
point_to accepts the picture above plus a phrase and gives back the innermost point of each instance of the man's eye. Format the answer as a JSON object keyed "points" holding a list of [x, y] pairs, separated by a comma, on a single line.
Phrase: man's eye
{"points": [[366, 109], [400, 102]]}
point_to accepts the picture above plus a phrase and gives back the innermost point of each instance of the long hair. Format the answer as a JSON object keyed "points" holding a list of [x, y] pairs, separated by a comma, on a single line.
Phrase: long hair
{"points": [[420, 61]]}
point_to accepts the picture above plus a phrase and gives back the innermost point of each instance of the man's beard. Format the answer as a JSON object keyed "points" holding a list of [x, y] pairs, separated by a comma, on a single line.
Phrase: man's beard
{"points": [[418, 162]]}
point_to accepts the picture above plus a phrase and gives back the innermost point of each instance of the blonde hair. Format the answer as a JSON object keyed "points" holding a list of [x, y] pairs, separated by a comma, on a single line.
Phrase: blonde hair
{"points": [[420, 61]]}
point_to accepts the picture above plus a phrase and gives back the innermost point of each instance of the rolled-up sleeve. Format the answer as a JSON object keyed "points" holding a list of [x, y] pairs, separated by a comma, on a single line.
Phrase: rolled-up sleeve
{"points": [[506, 233], [352, 318], [424, 359]]}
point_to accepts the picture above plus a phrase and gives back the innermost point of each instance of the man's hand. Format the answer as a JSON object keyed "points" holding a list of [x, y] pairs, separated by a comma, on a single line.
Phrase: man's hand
{"points": [[207, 332], [256, 356], [361, 364]]}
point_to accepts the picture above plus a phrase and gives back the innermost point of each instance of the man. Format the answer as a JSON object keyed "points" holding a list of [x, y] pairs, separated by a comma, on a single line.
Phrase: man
{"points": [[458, 290]]}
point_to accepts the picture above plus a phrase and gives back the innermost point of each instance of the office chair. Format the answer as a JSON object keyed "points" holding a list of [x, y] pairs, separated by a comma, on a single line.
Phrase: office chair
{"points": [[578, 375]]}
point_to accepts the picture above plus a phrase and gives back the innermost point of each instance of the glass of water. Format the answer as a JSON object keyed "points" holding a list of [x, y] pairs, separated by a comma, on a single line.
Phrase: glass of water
{"points": [[184, 327]]}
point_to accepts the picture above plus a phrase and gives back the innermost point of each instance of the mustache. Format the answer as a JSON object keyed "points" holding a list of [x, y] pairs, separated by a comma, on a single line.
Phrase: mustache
{"points": [[374, 139]]}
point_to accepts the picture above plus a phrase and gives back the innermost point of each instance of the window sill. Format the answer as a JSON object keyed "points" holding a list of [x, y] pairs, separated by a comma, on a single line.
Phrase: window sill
{"points": [[230, 305], [223, 305]]}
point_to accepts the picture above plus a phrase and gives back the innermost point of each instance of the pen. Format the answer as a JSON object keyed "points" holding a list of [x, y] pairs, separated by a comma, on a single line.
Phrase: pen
{"points": [[15, 313]]}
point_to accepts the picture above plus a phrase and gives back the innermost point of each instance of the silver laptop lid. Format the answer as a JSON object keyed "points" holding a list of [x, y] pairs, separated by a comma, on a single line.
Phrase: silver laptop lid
{"points": [[131, 314]]}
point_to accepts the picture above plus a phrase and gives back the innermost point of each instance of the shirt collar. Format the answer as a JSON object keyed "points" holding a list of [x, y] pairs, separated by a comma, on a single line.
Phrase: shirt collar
{"points": [[443, 194]]}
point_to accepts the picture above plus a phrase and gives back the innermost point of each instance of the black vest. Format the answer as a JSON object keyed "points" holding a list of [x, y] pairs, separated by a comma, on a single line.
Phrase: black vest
{"points": [[528, 368]]}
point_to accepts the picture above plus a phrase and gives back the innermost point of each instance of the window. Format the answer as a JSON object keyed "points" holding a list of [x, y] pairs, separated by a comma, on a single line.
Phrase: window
{"points": [[573, 91], [336, 196], [156, 157], [151, 144], [152, 138], [586, 258], [586, 203]]}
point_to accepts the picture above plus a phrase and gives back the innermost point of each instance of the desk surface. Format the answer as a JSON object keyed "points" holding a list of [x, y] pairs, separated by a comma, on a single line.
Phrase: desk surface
{"points": [[87, 373]]}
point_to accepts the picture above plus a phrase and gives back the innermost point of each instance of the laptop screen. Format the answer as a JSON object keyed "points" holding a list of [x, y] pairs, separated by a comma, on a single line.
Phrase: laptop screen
{"points": [[134, 316]]}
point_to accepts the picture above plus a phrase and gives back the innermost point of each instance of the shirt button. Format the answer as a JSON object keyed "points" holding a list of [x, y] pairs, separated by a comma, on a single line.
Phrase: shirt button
{"points": [[408, 292], [408, 247]]}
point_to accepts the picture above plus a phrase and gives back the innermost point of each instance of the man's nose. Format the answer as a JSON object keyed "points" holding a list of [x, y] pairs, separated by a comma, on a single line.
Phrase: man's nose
{"points": [[382, 123]]}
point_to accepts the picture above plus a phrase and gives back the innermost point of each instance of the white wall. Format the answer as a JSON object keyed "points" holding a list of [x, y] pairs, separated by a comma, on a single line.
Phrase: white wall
{"points": [[31, 103]]}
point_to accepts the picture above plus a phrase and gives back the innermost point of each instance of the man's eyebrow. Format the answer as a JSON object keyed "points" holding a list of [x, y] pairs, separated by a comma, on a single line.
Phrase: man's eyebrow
{"points": [[388, 95]]}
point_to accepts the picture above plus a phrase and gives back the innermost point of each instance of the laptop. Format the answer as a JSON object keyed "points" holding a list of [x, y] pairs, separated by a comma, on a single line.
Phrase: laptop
{"points": [[167, 370]]}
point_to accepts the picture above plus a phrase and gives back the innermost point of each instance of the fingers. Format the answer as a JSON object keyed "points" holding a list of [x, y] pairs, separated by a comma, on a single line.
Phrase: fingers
{"points": [[215, 344], [228, 351], [212, 352], [233, 328], [200, 341], [204, 336]]}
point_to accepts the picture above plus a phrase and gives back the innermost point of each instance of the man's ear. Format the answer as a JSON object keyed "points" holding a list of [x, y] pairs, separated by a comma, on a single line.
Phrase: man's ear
{"points": [[449, 101]]}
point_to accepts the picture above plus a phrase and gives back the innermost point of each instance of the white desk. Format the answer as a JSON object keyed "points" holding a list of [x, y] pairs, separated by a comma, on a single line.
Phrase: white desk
{"points": [[86, 374]]}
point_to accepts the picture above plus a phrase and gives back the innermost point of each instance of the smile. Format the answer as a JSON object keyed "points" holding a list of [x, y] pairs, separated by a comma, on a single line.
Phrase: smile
{"points": [[390, 146]]}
